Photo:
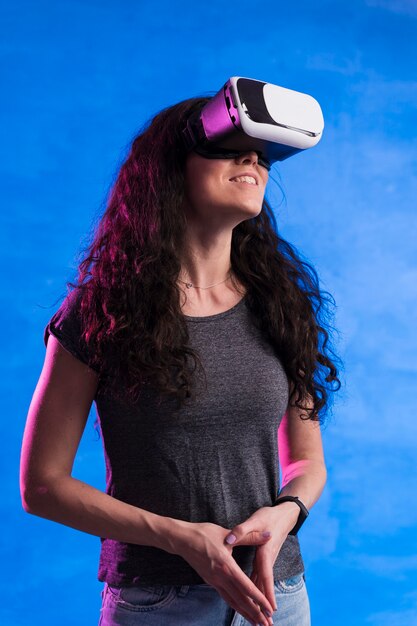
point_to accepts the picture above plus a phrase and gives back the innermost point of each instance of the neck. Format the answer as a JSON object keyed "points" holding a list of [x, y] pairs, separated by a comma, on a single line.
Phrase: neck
{"points": [[206, 261]]}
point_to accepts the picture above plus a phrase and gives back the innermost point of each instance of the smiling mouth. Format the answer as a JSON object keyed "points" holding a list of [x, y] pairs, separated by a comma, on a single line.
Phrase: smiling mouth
{"points": [[245, 180]]}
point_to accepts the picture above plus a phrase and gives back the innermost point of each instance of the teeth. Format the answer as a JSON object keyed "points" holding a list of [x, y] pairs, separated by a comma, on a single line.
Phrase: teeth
{"points": [[244, 179]]}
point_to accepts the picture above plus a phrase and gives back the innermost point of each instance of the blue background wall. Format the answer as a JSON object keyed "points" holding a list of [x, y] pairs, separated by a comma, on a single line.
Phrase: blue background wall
{"points": [[79, 79]]}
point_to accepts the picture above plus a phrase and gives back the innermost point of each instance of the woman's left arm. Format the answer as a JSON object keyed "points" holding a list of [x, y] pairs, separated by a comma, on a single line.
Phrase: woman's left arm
{"points": [[301, 457], [303, 475]]}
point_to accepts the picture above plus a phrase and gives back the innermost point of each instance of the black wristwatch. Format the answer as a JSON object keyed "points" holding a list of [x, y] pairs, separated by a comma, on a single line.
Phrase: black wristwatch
{"points": [[302, 515]]}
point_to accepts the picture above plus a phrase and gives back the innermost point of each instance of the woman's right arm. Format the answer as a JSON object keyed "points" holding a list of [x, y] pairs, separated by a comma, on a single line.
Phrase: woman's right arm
{"points": [[56, 420]]}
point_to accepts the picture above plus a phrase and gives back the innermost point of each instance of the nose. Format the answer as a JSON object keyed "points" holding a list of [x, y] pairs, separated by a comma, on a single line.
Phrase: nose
{"points": [[248, 157]]}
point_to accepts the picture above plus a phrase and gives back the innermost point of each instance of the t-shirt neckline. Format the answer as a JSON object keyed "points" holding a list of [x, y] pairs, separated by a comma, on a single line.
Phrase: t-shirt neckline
{"points": [[216, 316]]}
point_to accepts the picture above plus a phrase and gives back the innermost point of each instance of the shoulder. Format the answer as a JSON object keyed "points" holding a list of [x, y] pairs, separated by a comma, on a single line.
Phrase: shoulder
{"points": [[67, 327]]}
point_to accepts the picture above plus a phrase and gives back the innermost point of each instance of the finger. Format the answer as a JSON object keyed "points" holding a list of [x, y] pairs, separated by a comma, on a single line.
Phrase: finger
{"points": [[244, 588], [247, 599], [248, 614], [257, 581], [268, 589], [251, 538], [266, 579]]}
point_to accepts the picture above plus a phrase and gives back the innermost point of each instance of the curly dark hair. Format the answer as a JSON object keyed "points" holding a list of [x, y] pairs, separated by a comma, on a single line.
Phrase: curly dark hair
{"points": [[132, 321]]}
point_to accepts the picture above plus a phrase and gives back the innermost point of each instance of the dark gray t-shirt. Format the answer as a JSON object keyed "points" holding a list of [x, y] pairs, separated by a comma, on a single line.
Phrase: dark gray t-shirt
{"points": [[215, 460]]}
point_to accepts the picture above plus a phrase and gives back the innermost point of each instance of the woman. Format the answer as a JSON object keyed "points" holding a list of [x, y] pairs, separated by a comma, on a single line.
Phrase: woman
{"points": [[197, 331]]}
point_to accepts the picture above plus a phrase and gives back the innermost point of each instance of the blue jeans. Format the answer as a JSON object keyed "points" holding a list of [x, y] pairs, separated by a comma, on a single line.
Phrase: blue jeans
{"points": [[196, 605]]}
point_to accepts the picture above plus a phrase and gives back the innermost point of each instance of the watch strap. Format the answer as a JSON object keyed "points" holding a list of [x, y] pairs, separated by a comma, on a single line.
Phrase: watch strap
{"points": [[302, 515]]}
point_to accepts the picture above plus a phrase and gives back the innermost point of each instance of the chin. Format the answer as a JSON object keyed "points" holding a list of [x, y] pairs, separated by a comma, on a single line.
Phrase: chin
{"points": [[252, 210]]}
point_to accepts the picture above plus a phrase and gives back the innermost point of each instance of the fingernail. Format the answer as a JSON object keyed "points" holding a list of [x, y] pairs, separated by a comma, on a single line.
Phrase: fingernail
{"points": [[267, 613], [266, 534], [230, 539]]}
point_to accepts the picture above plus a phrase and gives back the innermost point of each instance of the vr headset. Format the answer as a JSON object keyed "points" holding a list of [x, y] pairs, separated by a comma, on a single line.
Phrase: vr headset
{"points": [[248, 114]]}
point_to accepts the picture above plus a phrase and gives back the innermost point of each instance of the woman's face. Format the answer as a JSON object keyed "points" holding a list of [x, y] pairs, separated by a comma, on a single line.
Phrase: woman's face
{"points": [[216, 193]]}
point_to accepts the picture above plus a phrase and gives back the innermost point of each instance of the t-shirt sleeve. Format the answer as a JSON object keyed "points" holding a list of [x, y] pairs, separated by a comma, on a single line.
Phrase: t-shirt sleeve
{"points": [[65, 325]]}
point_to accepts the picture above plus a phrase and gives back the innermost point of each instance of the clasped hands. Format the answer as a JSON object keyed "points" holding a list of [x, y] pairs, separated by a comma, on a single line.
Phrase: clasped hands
{"points": [[267, 529], [208, 549]]}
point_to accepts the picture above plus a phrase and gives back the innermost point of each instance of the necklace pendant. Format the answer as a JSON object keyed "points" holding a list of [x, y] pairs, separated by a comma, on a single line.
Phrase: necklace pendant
{"points": [[188, 285]]}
